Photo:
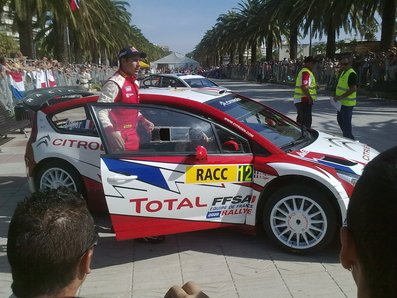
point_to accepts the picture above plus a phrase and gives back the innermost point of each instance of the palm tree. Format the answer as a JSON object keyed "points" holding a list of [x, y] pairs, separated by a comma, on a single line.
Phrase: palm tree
{"points": [[280, 11], [228, 33], [387, 11], [23, 12], [91, 29]]}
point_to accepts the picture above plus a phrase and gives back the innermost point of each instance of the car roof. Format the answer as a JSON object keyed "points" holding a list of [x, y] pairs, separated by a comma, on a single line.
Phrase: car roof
{"points": [[39, 98], [192, 77], [182, 76], [198, 95], [51, 99]]}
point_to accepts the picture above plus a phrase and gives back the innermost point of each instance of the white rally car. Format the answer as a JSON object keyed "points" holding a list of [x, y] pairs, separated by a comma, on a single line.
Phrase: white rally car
{"points": [[180, 81], [213, 160]]}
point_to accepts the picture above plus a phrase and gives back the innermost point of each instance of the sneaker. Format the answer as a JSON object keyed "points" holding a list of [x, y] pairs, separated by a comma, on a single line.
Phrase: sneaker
{"points": [[151, 239]]}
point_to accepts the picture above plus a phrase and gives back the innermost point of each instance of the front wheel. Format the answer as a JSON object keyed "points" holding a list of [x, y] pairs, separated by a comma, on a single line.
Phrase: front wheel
{"points": [[299, 219]]}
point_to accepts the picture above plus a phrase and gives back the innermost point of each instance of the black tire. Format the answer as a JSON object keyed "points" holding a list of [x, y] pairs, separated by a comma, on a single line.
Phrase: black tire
{"points": [[299, 219], [56, 173]]}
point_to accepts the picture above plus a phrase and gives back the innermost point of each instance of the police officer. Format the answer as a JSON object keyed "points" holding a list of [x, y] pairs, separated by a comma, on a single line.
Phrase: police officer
{"points": [[120, 125], [346, 94], [305, 92]]}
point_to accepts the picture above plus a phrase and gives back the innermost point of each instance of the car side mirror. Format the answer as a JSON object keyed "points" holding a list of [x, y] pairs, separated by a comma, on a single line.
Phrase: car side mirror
{"points": [[201, 153]]}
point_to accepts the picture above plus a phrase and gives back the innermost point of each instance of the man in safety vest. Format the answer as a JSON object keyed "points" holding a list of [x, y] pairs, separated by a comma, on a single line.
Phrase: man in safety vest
{"points": [[346, 94], [305, 92], [120, 125]]}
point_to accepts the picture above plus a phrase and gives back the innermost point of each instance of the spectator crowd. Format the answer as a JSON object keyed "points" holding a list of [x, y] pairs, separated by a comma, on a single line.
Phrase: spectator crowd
{"points": [[376, 71], [18, 75]]}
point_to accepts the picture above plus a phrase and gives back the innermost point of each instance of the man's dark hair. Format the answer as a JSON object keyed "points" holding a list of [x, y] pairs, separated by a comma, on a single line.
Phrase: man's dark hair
{"points": [[372, 222], [347, 57], [48, 235]]}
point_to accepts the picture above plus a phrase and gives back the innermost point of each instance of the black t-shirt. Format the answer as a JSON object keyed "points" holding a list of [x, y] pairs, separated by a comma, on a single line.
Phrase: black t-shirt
{"points": [[352, 79]]}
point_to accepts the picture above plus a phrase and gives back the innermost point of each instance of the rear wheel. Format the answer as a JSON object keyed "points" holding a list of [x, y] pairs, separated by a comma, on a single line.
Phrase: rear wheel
{"points": [[54, 174], [299, 219]]}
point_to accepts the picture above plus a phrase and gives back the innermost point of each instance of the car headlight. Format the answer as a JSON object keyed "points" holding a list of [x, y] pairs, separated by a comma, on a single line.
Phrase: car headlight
{"points": [[348, 177]]}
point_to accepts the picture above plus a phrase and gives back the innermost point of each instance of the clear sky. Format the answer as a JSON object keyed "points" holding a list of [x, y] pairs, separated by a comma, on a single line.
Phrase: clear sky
{"points": [[179, 24]]}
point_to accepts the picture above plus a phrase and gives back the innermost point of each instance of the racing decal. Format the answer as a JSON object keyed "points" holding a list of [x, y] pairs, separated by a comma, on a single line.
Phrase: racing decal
{"points": [[146, 173], [43, 140], [83, 124], [231, 205], [302, 152], [229, 101], [366, 152], [220, 173], [171, 204], [79, 144], [238, 126], [335, 162], [339, 142]]}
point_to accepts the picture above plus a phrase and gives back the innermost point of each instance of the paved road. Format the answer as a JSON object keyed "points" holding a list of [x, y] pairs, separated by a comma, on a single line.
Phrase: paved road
{"points": [[227, 263], [374, 119]]}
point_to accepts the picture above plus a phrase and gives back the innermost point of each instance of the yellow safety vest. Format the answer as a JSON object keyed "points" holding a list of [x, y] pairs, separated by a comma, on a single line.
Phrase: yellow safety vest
{"points": [[343, 86], [298, 93]]}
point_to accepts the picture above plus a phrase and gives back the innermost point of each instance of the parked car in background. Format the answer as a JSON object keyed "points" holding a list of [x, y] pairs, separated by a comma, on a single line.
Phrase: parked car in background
{"points": [[213, 160], [180, 81]]}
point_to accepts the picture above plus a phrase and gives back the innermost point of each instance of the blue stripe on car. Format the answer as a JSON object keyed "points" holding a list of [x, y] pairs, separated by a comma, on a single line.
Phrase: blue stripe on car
{"points": [[336, 166], [148, 174]]}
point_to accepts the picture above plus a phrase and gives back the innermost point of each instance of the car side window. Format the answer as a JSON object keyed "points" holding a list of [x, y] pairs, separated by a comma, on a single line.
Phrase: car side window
{"points": [[74, 121], [128, 128], [176, 133], [165, 82], [177, 83], [231, 143]]}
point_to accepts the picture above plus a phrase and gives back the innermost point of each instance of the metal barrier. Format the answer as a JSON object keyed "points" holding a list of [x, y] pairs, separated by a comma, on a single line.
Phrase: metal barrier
{"points": [[98, 75], [371, 76]]}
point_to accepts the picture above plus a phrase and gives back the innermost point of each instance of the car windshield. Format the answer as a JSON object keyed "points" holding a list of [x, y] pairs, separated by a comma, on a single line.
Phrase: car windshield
{"points": [[200, 83], [275, 127]]}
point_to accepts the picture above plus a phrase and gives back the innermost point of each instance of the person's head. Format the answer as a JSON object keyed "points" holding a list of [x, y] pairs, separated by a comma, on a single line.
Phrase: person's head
{"points": [[369, 241], [50, 243], [346, 62], [2, 60], [129, 58], [310, 62]]}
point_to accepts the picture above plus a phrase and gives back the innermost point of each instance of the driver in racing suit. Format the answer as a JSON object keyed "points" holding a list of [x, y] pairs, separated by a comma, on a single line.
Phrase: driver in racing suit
{"points": [[120, 124], [123, 87]]}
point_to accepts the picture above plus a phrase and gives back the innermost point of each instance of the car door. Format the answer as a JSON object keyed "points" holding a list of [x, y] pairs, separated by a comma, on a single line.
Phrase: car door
{"points": [[187, 173]]}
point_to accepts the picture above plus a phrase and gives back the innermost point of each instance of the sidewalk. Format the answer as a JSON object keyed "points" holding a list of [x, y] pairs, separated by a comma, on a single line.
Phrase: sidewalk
{"points": [[226, 263]]}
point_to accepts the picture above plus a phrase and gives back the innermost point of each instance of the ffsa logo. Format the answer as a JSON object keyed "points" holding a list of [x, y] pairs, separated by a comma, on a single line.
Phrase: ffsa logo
{"points": [[43, 140]]}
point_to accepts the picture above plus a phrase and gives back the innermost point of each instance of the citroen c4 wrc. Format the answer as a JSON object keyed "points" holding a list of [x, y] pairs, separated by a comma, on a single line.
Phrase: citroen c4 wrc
{"points": [[213, 160]]}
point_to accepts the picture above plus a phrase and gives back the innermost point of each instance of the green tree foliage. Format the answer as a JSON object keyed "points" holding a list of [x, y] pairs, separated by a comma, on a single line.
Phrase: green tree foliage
{"points": [[94, 32], [258, 21], [8, 46]]}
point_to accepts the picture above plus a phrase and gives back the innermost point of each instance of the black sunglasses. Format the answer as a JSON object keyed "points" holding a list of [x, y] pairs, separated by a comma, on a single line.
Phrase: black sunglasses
{"points": [[93, 243]]}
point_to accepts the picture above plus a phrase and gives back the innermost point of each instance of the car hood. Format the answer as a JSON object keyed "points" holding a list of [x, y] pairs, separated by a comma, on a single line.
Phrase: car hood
{"points": [[339, 153]]}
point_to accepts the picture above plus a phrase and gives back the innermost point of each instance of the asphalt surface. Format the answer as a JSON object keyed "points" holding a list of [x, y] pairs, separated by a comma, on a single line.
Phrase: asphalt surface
{"points": [[225, 262]]}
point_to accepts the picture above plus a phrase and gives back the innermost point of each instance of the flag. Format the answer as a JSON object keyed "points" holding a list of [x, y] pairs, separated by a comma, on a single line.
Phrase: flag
{"points": [[17, 85], [74, 5], [50, 79], [40, 79]]}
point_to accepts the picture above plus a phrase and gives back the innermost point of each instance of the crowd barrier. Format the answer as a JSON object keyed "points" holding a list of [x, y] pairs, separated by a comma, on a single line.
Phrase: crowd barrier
{"points": [[14, 84], [372, 76]]}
